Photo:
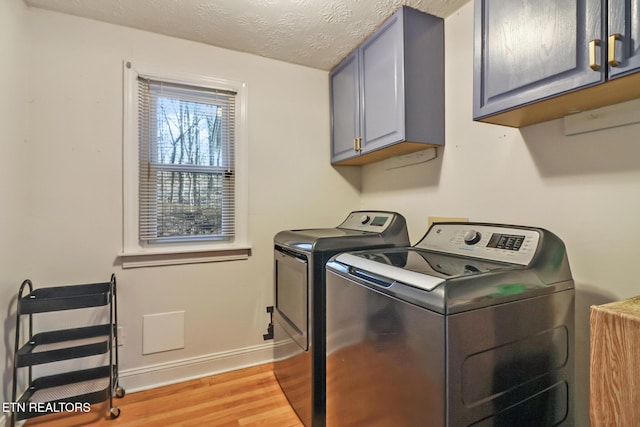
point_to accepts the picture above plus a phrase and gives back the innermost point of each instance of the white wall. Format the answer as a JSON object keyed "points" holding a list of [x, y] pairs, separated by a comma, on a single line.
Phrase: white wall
{"points": [[14, 173], [585, 188], [74, 220], [68, 207]]}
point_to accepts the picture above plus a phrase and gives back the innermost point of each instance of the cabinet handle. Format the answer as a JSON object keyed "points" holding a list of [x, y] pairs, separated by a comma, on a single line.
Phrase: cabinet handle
{"points": [[357, 144], [612, 49], [593, 63]]}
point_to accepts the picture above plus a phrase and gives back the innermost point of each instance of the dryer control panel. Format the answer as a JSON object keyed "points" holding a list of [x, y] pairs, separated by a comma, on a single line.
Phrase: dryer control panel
{"points": [[371, 221], [491, 242]]}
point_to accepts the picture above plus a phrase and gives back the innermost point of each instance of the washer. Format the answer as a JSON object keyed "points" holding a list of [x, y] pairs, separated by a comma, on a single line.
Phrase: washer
{"points": [[473, 326], [299, 315]]}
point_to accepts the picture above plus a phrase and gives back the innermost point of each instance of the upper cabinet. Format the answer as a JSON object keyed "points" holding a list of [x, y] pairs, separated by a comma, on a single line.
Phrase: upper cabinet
{"points": [[623, 41], [387, 97], [537, 60]]}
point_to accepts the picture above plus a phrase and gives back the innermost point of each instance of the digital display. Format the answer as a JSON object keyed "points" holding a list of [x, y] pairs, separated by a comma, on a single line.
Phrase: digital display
{"points": [[511, 242], [379, 221]]}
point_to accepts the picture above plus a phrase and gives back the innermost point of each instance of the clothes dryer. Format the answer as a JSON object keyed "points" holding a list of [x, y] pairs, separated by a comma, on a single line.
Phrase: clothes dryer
{"points": [[299, 315]]}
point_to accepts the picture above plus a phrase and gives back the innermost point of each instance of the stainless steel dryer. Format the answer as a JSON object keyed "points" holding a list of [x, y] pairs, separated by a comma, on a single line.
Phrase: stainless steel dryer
{"points": [[299, 316], [473, 326]]}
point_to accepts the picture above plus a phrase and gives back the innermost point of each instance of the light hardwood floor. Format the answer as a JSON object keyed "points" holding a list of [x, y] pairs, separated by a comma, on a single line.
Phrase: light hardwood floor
{"points": [[247, 397]]}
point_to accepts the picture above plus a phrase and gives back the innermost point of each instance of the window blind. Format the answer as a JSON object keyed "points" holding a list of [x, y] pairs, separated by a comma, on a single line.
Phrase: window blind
{"points": [[186, 162]]}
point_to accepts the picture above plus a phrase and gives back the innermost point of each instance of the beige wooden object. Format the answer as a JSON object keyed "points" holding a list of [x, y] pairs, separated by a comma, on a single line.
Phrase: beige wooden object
{"points": [[615, 364]]}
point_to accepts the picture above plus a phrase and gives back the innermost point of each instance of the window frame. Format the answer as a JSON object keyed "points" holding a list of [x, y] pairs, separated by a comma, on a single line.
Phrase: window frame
{"points": [[135, 251]]}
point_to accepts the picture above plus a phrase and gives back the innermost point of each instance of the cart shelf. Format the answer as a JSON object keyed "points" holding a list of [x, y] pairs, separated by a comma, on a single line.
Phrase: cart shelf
{"points": [[65, 298], [46, 394], [66, 344]]}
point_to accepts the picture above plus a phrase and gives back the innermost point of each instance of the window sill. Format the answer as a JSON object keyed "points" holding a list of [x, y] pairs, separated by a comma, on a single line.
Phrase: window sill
{"points": [[152, 258]]}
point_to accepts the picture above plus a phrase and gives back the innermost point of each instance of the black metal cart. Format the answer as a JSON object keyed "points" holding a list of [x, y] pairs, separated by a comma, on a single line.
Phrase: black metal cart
{"points": [[67, 390]]}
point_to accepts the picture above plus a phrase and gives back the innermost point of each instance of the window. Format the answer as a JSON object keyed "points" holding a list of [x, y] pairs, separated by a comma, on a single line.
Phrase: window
{"points": [[184, 169]]}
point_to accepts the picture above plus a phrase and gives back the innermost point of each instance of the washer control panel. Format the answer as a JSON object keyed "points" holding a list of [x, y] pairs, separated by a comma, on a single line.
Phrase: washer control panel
{"points": [[371, 221], [492, 242]]}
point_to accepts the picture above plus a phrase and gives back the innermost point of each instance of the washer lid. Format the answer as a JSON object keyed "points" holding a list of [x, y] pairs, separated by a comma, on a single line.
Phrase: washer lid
{"points": [[325, 239], [313, 234], [417, 268], [361, 229]]}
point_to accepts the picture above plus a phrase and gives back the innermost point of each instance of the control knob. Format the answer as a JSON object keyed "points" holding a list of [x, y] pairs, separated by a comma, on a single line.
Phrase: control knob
{"points": [[364, 219], [472, 237]]}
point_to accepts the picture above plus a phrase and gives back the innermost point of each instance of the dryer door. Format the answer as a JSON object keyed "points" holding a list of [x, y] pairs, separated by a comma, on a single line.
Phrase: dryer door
{"points": [[292, 289]]}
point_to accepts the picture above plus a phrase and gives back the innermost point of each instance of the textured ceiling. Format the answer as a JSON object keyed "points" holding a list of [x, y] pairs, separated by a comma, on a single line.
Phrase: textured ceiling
{"points": [[315, 33]]}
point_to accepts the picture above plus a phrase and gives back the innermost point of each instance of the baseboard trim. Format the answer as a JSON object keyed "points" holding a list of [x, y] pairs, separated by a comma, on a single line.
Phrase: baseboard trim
{"points": [[148, 377]]}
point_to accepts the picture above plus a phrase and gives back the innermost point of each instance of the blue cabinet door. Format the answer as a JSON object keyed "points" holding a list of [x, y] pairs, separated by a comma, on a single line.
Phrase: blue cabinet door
{"points": [[382, 86], [344, 84], [387, 98], [623, 40], [529, 50]]}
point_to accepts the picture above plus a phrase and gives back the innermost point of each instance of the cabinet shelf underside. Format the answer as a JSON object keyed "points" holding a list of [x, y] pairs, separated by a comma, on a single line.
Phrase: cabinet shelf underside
{"points": [[385, 152], [608, 93]]}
